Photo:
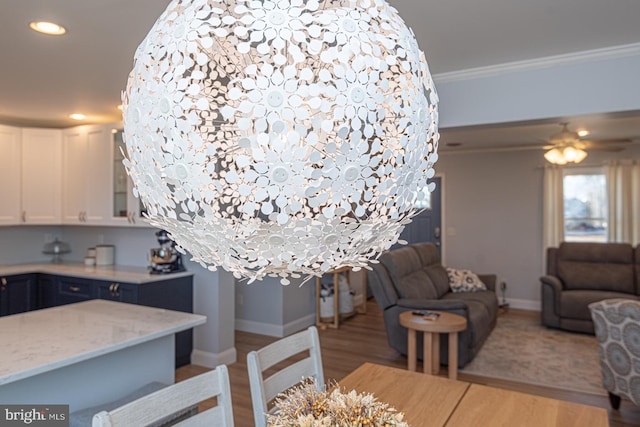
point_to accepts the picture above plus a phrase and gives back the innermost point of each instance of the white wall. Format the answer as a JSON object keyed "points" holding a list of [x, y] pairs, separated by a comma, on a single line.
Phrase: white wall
{"points": [[492, 216], [25, 244], [266, 307]]}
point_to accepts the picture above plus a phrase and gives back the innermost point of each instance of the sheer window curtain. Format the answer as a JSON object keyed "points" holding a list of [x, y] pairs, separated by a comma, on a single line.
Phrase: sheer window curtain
{"points": [[553, 207], [623, 189]]}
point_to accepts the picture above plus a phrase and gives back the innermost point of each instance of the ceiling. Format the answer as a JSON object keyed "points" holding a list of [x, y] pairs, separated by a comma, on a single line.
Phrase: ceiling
{"points": [[44, 79]]}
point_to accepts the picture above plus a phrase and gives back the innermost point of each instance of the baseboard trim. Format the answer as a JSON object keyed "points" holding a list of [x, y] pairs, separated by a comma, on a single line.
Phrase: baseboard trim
{"points": [[211, 360], [259, 328], [299, 324], [272, 330], [524, 304]]}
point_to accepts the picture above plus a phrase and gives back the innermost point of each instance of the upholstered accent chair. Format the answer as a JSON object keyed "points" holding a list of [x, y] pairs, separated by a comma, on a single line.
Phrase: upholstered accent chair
{"points": [[617, 327]]}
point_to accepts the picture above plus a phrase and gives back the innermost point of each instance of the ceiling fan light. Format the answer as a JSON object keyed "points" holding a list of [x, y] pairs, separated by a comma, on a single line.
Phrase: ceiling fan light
{"points": [[580, 155], [574, 154], [570, 154], [555, 156]]}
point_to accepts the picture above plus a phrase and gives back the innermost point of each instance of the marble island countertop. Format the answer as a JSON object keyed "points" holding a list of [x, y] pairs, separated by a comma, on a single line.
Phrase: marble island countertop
{"points": [[139, 275], [44, 340]]}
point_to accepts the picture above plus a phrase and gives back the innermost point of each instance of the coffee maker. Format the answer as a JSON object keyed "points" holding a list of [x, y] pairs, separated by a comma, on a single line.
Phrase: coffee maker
{"points": [[165, 259]]}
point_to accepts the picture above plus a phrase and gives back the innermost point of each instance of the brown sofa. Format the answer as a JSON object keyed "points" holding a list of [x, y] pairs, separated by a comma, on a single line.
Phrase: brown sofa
{"points": [[412, 278], [579, 274]]}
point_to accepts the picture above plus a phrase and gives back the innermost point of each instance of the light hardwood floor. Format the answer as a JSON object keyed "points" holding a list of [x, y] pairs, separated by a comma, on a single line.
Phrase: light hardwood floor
{"points": [[362, 338]]}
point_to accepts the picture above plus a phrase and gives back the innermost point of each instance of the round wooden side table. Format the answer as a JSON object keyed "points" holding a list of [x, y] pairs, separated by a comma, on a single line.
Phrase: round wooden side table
{"points": [[446, 323]]}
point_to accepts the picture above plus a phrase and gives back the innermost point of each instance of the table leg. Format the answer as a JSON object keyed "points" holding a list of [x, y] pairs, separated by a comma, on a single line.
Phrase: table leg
{"points": [[435, 367], [453, 355], [427, 352], [411, 350]]}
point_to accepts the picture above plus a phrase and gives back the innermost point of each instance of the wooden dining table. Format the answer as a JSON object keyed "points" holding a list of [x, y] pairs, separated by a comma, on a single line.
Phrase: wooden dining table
{"points": [[430, 401]]}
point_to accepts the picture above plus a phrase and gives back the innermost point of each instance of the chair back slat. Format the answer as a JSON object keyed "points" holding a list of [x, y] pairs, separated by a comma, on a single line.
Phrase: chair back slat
{"points": [[264, 390], [289, 376], [283, 349], [173, 399]]}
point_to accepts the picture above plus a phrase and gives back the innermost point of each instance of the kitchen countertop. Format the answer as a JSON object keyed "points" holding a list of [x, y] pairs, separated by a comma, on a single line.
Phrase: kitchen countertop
{"points": [[129, 274], [43, 340]]}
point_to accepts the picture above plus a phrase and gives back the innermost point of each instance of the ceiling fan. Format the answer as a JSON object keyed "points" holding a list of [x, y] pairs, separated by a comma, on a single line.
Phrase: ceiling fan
{"points": [[568, 146]]}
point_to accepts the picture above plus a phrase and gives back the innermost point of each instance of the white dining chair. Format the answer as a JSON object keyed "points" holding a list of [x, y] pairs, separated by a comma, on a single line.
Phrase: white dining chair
{"points": [[175, 398], [263, 390]]}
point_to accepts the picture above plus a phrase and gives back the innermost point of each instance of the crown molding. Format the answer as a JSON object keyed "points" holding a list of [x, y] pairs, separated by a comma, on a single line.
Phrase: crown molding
{"points": [[613, 52]]}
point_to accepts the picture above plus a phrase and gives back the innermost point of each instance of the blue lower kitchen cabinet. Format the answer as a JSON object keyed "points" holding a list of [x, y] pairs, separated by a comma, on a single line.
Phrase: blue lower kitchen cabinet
{"points": [[46, 291], [18, 293]]}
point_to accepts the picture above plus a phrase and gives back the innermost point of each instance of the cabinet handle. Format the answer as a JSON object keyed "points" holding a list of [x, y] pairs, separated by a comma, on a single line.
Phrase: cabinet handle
{"points": [[4, 283], [80, 216], [133, 217], [74, 288], [129, 217], [84, 216], [24, 216], [114, 288]]}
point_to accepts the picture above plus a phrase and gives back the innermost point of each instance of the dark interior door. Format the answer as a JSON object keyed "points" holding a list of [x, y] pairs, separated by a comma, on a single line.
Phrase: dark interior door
{"points": [[427, 225]]}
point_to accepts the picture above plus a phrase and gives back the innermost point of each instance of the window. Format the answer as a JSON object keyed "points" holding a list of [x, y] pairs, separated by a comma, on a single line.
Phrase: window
{"points": [[585, 205]]}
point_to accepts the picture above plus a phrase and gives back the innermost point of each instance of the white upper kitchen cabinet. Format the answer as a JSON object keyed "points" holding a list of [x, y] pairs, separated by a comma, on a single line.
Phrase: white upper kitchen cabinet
{"points": [[10, 140], [126, 208], [41, 169], [86, 164]]}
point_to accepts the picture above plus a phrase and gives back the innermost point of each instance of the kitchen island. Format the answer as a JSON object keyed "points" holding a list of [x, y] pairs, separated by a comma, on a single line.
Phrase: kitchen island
{"points": [[28, 287], [87, 353]]}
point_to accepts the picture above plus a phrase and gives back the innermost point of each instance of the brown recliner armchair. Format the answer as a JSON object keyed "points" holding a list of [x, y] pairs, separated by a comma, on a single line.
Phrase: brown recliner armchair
{"points": [[579, 274]]}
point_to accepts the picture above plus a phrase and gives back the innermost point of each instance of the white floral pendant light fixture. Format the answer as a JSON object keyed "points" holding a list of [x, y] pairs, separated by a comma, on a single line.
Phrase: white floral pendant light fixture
{"points": [[280, 138]]}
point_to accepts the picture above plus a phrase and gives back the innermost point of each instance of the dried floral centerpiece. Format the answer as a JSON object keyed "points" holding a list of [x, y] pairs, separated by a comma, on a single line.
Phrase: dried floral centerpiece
{"points": [[306, 406]]}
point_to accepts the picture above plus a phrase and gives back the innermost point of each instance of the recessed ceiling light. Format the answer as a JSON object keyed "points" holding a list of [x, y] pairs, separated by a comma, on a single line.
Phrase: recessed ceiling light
{"points": [[583, 132], [47, 28], [77, 116]]}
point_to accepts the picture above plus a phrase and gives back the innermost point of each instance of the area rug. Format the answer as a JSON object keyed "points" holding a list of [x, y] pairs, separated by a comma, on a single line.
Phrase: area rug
{"points": [[523, 350]]}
